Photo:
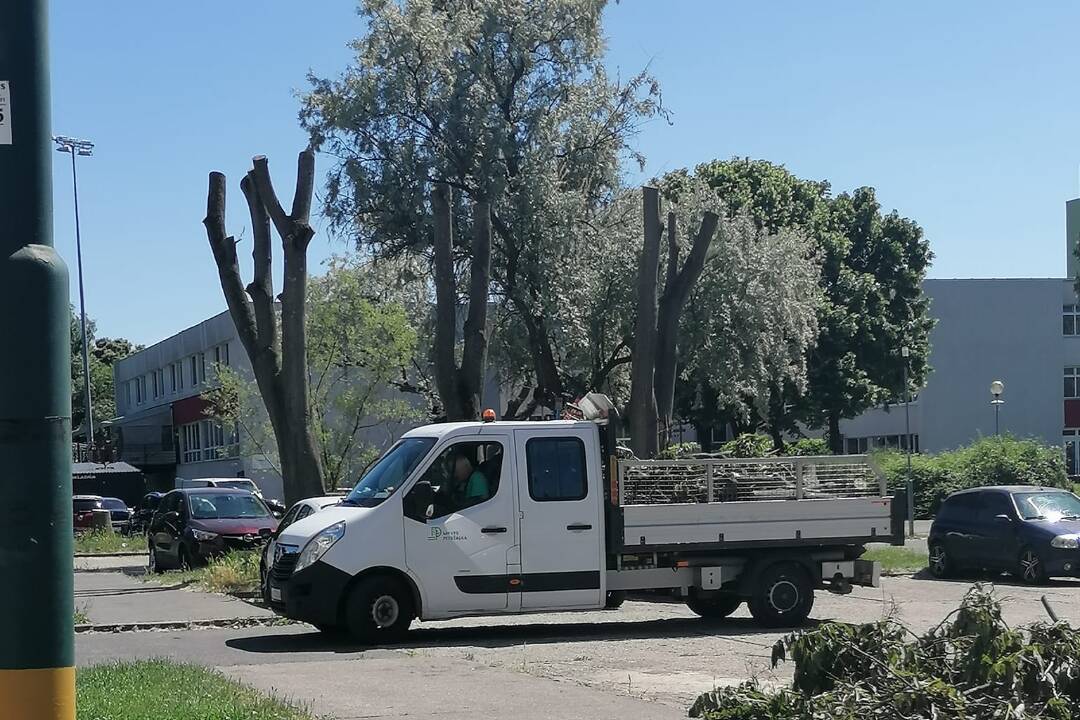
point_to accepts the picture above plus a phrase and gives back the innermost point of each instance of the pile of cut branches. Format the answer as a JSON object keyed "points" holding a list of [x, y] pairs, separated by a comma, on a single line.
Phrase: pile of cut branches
{"points": [[971, 666]]}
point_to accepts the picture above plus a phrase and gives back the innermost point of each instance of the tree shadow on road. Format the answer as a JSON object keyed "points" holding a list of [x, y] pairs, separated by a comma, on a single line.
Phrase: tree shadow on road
{"points": [[739, 629]]}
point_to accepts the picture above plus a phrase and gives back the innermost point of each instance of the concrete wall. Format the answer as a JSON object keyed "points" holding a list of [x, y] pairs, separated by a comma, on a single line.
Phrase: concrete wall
{"points": [[1008, 330]]}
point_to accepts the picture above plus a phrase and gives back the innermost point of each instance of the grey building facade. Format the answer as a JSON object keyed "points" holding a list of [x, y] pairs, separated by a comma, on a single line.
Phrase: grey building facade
{"points": [[1023, 332]]}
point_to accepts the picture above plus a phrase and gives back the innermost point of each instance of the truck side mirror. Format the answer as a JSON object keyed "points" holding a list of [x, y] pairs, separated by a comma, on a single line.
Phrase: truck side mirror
{"points": [[421, 501]]}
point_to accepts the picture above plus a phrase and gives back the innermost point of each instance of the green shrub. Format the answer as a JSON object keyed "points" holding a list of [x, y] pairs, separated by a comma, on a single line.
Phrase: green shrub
{"points": [[808, 446], [990, 461], [106, 541], [748, 445], [678, 450]]}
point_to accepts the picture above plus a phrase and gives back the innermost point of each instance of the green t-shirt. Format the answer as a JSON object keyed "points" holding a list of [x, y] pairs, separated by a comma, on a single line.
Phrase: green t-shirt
{"points": [[477, 486]]}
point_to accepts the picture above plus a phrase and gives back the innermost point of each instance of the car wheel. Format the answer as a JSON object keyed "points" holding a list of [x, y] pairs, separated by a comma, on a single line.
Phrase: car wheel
{"points": [[783, 597], [1032, 569], [714, 607], [939, 562], [378, 609], [614, 599], [152, 565]]}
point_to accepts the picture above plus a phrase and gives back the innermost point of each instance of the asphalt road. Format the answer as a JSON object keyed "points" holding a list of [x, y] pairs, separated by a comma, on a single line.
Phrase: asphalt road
{"points": [[647, 660]]}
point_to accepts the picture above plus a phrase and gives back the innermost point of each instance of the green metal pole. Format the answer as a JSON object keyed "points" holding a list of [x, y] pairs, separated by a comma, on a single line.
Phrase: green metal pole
{"points": [[37, 674]]}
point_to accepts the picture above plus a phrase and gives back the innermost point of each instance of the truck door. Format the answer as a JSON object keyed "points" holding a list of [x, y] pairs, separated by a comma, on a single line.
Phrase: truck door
{"points": [[459, 554], [561, 530]]}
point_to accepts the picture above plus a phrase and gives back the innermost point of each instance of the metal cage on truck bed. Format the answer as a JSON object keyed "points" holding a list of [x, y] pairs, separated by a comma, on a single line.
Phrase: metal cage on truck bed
{"points": [[716, 503]]}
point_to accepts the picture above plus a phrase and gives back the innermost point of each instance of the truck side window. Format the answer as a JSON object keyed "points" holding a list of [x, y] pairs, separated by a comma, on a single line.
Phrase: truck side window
{"points": [[463, 475], [556, 469]]}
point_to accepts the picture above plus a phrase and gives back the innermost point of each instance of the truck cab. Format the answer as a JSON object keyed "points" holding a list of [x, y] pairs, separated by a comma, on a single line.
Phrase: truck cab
{"points": [[455, 519]]}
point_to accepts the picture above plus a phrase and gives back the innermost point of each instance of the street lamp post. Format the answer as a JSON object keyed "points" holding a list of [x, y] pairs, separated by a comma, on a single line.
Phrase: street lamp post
{"points": [[996, 389], [905, 352], [74, 146]]}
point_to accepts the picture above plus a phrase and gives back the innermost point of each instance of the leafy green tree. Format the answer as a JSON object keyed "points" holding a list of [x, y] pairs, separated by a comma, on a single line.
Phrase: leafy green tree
{"points": [[104, 352], [871, 270], [508, 104], [358, 343]]}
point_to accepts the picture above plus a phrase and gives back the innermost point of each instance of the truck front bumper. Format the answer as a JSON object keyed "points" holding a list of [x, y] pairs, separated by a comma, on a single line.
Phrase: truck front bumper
{"points": [[313, 595]]}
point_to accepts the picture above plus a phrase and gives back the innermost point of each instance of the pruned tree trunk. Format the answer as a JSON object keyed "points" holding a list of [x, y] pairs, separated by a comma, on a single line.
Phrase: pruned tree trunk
{"points": [[836, 440], [642, 410], [280, 368], [460, 388], [676, 292]]}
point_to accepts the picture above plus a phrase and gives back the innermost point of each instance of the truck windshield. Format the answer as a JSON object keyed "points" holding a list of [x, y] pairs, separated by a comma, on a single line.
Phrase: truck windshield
{"points": [[392, 469]]}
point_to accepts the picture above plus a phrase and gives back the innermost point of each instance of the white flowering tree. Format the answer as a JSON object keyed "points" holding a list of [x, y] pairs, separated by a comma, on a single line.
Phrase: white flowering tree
{"points": [[497, 110]]}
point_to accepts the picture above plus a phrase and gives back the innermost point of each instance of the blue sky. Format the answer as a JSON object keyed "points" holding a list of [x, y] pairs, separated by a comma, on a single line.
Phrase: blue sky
{"points": [[963, 115]]}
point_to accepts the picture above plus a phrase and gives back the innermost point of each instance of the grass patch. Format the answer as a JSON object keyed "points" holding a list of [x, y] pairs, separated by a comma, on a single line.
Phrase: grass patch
{"points": [[235, 573], [165, 690], [81, 617], [102, 541], [897, 559]]}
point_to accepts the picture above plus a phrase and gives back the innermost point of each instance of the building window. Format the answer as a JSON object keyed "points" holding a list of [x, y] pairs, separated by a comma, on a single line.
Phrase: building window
{"points": [[1072, 382], [140, 389], [127, 395], [863, 445], [221, 355], [180, 375], [208, 440], [1070, 320], [1071, 442], [172, 378], [194, 371], [202, 367]]}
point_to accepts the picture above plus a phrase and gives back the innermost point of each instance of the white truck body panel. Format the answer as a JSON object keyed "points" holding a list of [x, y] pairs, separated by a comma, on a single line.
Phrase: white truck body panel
{"points": [[755, 521]]}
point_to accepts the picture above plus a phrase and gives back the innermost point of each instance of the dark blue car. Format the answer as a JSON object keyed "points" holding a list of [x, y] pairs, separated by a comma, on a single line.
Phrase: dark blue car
{"points": [[1032, 532]]}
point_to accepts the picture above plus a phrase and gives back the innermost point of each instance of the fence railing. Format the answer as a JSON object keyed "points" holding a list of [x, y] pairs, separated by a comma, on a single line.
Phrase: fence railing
{"points": [[700, 480]]}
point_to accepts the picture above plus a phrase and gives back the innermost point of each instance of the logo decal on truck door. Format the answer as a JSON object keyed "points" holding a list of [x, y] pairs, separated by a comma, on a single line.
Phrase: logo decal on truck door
{"points": [[438, 533]]}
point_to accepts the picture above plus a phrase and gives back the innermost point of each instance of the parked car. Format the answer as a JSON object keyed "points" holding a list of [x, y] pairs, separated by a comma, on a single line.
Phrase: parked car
{"points": [[82, 510], [276, 506], [144, 511], [1032, 532], [192, 525], [299, 511], [119, 513]]}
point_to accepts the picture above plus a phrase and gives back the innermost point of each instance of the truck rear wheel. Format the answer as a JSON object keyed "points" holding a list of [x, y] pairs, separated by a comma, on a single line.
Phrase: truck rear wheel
{"points": [[714, 607], [783, 597], [378, 609]]}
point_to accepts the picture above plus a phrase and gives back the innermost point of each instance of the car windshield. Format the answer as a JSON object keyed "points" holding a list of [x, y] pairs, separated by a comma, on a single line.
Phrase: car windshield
{"points": [[385, 476], [114, 504], [1052, 506], [218, 506], [84, 505]]}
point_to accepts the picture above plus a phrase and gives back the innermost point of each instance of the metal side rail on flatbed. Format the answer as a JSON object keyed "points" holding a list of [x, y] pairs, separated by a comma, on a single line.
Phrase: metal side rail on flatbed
{"points": [[719, 503]]}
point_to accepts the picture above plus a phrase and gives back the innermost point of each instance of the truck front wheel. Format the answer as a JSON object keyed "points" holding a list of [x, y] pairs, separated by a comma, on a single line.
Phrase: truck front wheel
{"points": [[783, 597], [378, 609], [714, 607]]}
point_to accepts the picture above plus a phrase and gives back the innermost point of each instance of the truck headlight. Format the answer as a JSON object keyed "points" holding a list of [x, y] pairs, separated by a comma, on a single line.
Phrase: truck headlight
{"points": [[1066, 542], [202, 535], [318, 545]]}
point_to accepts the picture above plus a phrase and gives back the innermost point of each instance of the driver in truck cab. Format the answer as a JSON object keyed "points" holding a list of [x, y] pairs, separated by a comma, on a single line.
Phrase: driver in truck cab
{"points": [[468, 486]]}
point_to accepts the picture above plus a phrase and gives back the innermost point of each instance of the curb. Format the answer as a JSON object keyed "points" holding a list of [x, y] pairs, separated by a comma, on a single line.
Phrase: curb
{"points": [[182, 624], [125, 553], [119, 568]]}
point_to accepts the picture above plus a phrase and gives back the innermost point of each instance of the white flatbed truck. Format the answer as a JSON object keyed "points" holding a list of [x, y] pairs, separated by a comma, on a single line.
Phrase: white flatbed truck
{"points": [[545, 517]]}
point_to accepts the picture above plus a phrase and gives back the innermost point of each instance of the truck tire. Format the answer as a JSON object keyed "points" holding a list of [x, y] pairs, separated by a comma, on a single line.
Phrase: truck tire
{"points": [[378, 609], [615, 599], [783, 597], [714, 607]]}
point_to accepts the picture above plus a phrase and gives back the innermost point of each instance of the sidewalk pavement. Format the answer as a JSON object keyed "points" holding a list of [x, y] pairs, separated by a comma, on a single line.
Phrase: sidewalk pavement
{"points": [[116, 598], [395, 684], [110, 563]]}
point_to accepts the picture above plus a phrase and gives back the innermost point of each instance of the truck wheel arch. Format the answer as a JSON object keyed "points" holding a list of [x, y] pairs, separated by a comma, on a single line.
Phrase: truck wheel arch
{"points": [[747, 581], [386, 571]]}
